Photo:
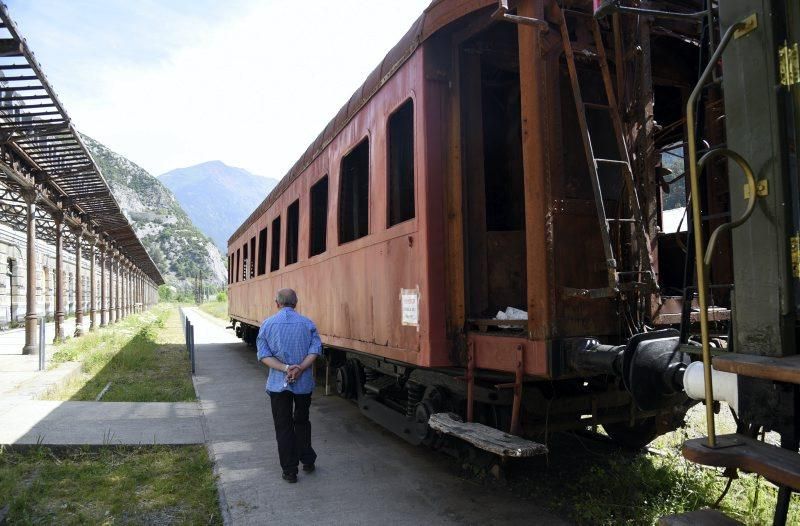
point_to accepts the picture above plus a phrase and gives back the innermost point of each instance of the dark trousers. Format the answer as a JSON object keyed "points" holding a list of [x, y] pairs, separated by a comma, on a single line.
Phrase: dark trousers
{"points": [[292, 429]]}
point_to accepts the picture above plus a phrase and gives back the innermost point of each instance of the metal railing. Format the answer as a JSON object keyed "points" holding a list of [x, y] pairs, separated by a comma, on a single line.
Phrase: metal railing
{"points": [[188, 334]]}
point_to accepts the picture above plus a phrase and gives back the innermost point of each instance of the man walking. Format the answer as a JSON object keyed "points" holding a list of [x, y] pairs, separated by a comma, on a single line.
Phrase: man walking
{"points": [[288, 344]]}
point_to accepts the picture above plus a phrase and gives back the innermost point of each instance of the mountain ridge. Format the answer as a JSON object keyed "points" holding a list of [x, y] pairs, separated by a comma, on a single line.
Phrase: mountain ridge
{"points": [[178, 248], [216, 196]]}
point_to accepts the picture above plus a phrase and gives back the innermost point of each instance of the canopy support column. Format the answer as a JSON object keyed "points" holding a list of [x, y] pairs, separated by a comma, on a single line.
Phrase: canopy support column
{"points": [[92, 287], [123, 294], [117, 257], [30, 293], [59, 316], [78, 282], [103, 308]]}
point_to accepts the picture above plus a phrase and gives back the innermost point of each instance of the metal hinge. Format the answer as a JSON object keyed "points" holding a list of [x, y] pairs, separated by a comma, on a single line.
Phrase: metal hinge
{"points": [[789, 64]]}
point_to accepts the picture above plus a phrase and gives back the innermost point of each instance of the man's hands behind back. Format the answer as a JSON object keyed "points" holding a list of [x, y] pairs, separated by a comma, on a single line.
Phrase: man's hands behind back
{"points": [[293, 373]]}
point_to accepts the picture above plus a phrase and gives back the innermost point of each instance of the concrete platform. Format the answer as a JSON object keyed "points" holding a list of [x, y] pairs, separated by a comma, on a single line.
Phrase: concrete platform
{"points": [[28, 420], [19, 374], [100, 423], [364, 475]]}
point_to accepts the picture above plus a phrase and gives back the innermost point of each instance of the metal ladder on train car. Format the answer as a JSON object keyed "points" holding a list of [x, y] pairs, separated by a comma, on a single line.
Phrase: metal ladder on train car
{"points": [[645, 273]]}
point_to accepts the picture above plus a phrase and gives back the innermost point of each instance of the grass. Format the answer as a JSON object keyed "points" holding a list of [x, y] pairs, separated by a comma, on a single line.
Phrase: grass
{"points": [[109, 485], [143, 358], [218, 309], [592, 481]]}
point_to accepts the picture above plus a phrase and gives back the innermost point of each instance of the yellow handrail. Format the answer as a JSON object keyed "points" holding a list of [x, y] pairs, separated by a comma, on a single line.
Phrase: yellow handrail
{"points": [[701, 268], [751, 200]]}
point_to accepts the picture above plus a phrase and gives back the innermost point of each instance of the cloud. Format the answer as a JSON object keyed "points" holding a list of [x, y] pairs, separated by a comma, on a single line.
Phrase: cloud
{"points": [[253, 87]]}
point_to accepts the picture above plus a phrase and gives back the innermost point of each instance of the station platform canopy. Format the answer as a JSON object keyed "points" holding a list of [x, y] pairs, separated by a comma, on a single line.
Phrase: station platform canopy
{"points": [[42, 152]]}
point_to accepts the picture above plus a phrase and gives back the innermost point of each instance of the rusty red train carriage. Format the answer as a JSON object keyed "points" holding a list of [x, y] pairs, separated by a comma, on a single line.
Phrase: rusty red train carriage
{"points": [[452, 186]]}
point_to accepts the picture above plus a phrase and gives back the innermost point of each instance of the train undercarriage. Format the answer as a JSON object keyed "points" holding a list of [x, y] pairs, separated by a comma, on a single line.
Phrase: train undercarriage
{"points": [[403, 397]]}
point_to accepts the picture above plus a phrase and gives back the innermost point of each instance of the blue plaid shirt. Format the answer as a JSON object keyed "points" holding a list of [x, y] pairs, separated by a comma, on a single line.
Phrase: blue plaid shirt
{"points": [[289, 337]]}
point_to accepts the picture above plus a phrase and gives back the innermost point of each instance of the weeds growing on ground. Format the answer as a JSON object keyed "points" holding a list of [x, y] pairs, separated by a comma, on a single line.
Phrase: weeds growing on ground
{"points": [[592, 481], [218, 309], [143, 357], [108, 485]]}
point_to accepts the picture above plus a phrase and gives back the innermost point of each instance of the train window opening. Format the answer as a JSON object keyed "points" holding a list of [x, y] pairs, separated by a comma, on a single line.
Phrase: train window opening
{"points": [[673, 190], [245, 262], [292, 232], [275, 256], [493, 173], [262, 251], [252, 257], [319, 217], [401, 164], [354, 194], [230, 268], [670, 195], [238, 256]]}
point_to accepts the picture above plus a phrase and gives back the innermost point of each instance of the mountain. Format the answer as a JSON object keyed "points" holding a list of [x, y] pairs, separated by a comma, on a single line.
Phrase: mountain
{"points": [[217, 197], [178, 248]]}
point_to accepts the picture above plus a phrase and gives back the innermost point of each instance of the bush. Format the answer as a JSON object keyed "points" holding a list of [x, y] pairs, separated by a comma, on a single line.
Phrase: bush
{"points": [[165, 293], [222, 296]]}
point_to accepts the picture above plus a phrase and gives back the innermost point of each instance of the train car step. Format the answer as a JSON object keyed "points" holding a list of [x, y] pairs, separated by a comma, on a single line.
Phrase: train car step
{"points": [[485, 437]]}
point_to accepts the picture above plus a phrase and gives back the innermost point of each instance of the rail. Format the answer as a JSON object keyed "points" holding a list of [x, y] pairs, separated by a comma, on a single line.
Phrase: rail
{"points": [[188, 334]]}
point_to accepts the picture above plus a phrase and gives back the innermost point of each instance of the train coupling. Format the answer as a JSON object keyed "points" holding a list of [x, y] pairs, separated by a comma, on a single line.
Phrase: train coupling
{"points": [[653, 369], [651, 365]]}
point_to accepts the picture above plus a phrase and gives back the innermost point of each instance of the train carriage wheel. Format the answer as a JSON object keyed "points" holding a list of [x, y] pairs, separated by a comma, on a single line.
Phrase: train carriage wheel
{"points": [[346, 381]]}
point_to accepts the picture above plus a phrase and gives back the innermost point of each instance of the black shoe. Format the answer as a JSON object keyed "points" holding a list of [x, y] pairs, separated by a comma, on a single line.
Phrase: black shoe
{"points": [[290, 477], [308, 468]]}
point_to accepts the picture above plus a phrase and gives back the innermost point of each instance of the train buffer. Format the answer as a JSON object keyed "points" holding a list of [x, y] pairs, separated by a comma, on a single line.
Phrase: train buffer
{"points": [[485, 437]]}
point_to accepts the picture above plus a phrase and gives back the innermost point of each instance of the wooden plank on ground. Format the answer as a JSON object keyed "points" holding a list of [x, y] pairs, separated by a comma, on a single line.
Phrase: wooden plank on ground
{"points": [[485, 437]]}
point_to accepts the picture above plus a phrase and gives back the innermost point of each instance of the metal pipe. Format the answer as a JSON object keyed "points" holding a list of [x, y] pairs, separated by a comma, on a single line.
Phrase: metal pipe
{"points": [[501, 14], [751, 202], [697, 228], [589, 356], [612, 6]]}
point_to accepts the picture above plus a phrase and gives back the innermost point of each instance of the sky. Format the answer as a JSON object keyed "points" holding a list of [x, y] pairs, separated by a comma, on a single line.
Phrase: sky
{"points": [[173, 83]]}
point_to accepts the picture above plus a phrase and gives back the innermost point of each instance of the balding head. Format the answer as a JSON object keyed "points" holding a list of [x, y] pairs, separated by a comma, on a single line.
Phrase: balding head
{"points": [[286, 298]]}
